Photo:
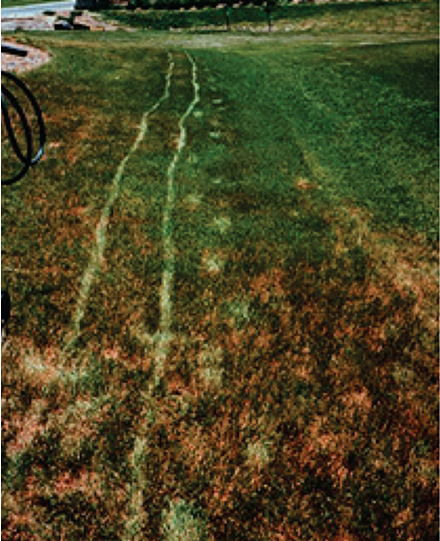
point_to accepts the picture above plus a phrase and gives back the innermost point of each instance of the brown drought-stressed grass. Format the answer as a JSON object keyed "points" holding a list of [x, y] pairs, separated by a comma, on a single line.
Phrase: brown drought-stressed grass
{"points": [[312, 418], [299, 398]]}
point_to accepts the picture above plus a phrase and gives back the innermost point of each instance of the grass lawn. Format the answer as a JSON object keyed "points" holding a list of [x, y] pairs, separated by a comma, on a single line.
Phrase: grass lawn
{"points": [[224, 284]]}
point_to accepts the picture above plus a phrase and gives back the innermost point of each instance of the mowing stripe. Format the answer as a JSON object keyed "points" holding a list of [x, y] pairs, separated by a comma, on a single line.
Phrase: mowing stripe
{"points": [[101, 229], [166, 306]]}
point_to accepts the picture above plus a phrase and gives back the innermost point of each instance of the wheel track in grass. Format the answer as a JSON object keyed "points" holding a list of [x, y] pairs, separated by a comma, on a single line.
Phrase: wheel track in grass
{"points": [[97, 254], [164, 334], [136, 514], [136, 517]]}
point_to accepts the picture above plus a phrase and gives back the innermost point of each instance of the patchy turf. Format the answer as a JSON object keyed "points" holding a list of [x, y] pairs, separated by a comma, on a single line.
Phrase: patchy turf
{"points": [[298, 396]]}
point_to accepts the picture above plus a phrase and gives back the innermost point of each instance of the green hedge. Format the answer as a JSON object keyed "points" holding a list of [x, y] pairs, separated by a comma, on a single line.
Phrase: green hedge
{"points": [[174, 5], [167, 14]]}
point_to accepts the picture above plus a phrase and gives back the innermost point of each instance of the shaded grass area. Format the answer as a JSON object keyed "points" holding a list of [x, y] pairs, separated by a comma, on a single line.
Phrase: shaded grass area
{"points": [[337, 17], [299, 400]]}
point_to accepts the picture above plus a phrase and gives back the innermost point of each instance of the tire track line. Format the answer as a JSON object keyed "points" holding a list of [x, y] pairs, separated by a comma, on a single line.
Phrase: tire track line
{"points": [[164, 335], [136, 514], [101, 229]]}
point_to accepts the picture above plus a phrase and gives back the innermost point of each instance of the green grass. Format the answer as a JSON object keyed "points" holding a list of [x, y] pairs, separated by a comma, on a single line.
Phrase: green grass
{"points": [[357, 118], [299, 394]]}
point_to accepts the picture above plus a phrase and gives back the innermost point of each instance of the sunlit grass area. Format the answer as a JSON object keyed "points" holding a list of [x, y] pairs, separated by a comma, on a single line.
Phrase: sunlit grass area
{"points": [[224, 286]]}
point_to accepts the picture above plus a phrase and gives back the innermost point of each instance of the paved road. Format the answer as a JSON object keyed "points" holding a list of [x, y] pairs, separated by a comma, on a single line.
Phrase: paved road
{"points": [[35, 9]]}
